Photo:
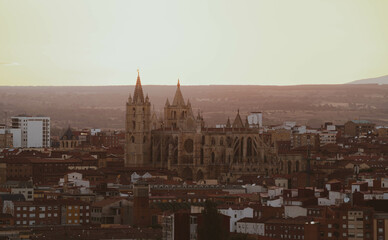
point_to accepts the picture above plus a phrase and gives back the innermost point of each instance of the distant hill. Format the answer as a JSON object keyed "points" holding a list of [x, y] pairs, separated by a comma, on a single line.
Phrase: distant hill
{"points": [[104, 106], [377, 80]]}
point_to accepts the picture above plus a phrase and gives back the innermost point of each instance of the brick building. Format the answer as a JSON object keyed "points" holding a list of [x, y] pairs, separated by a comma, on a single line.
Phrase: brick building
{"points": [[358, 127]]}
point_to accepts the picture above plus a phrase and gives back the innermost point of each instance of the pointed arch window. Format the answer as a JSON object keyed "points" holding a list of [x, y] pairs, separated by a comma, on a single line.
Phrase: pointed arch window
{"points": [[249, 147], [201, 156]]}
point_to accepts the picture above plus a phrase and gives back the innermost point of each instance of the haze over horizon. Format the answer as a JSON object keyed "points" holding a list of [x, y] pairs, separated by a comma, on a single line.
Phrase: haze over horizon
{"points": [[96, 43], [377, 80]]}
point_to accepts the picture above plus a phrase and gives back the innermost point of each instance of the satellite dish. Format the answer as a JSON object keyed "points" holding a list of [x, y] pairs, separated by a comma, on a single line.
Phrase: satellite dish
{"points": [[346, 199]]}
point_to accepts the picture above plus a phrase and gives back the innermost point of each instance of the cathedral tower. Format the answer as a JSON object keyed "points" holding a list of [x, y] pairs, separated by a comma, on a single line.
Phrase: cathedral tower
{"points": [[178, 115], [138, 128]]}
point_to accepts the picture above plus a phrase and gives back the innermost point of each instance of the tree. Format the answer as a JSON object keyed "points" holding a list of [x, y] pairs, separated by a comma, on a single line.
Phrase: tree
{"points": [[211, 227]]}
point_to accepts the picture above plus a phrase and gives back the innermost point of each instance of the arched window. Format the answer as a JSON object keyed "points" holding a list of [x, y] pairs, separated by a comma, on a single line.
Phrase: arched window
{"points": [[249, 147], [242, 146], [132, 139], [222, 141], [297, 166], [201, 156], [229, 141], [213, 141], [133, 125], [175, 159], [213, 157]]}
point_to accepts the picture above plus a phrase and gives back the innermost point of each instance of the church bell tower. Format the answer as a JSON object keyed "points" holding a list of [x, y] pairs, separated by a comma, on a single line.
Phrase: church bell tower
{"points": [[138, 128]]}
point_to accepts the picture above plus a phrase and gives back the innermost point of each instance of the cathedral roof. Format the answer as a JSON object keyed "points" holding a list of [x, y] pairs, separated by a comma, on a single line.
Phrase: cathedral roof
{"points": [[68, 135], [138, 96], [178, 99], [237, 121]]}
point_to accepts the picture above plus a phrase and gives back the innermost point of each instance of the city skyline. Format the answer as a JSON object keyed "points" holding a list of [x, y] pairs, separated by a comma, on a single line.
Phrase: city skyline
{"points": [[53, 43]]}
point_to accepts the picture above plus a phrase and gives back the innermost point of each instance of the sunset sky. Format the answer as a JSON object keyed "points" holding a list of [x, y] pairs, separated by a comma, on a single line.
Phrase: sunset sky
{"points": [[271, 42]]}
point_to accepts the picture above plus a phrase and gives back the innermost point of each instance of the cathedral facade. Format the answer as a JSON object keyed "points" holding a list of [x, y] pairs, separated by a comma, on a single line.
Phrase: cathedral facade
{"points": [[180, 142]]}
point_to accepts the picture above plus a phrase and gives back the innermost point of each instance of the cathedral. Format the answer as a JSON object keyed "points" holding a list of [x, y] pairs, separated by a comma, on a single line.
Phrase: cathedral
{"points": [[181, 142]]}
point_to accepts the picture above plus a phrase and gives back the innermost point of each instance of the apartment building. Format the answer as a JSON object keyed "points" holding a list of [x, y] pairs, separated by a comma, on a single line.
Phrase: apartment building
{"points": [[35, 131]]}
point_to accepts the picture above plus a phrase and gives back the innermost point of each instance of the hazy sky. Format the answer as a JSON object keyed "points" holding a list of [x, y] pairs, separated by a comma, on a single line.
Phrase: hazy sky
{"points": [[272, 42]]}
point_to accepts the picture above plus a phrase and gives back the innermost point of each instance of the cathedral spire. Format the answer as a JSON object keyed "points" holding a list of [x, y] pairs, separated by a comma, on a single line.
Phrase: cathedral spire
{"points": [[178, 99], [138, 96], [228, 125], [237, 121], [246, 122]]}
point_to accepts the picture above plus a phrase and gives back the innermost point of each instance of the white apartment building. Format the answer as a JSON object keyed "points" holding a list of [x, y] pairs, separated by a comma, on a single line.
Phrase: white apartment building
{"points": [[236, 213], [328, 136], [255, 119], [35, 131]]}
